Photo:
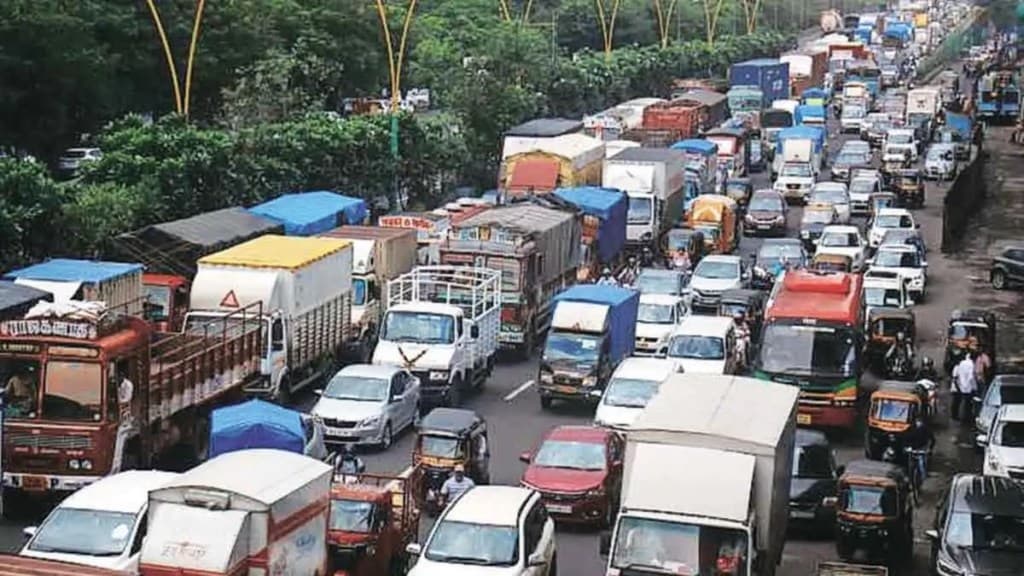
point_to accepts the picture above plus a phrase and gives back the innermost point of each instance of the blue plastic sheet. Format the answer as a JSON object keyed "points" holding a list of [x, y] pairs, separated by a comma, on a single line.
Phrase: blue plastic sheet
{"points": [[610, 207], [624, 304], [312, 213], [256, 424]]}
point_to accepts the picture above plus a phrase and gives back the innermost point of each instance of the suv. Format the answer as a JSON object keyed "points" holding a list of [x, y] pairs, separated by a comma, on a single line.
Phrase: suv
{"points": [[73, 158], [712, 276], [1007, 267], [902, 141], [1004, 443], [490, 530]]}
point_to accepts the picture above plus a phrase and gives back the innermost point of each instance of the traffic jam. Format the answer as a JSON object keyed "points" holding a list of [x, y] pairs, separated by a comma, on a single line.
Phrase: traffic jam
{"points": [[711, 296]]}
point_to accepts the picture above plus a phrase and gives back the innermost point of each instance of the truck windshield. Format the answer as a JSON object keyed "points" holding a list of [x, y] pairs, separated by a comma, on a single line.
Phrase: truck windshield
{"points": [[576, 347], [158, 302], [656, 314], [73, 390], [84, 532], [696, 347], [476, 544], [359, 291], [351, 516], [806, 350], [630, 392], [639, 210], [20, 377], [660, 547], [419, 327]]}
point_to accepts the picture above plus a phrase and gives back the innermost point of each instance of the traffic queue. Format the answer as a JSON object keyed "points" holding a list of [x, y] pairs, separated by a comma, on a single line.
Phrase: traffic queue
{"points": [[611, 248]]}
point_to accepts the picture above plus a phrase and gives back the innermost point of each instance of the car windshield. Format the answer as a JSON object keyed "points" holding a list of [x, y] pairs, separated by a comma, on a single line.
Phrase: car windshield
{"points": [[639, 210], [937, 154], [839, 240], [878, 296], [899, 138], [361, 388], [440, 446], [351, 516], [862, 187], [963, 331], [649, 546], [860, 499], [800, 170], [658, 283], [475, 544], [570, 454], [766, 203], [892, 221], [696, 347], [986, 531], [854, 112], [1000, 394], [891, 410], [770, 254], [84, 532], [1010, 435], [813, 461], [630, 392], [801, 349], [849, 158], [656, 314], [717, 270], [829, 196], [575, 347], [817, 217], [418, 327], [897, 259]]}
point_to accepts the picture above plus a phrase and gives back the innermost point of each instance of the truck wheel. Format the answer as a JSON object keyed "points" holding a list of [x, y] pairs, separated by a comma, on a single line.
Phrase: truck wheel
{"points": [[455, 394], [14, 504]]}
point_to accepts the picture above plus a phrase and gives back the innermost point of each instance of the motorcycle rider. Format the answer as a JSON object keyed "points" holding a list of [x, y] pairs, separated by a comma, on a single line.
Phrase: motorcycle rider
{"points": [[607, 278], [348, 462], [900, 353], [681, 260], [921, 439], [927, 370], [631, 273], [742, 339]]}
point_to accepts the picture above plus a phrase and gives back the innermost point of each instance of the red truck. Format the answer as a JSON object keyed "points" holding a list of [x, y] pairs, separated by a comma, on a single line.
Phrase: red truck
{"points": [[666, 123], [373, 518], [807, 69]]}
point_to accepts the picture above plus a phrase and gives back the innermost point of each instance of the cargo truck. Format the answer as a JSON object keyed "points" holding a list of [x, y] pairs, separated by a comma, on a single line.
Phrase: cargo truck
{"points": [[592, 330], [304, 286], [611, 124], [666, 123], [768, 75], [378, 256], [653, 179], [245, 513], [16, 299], [569, 160], [442, 326], [525, 136], [923, 104], [603, 231], [312, 213], [807, 69], [431, 230], [713, 106], [117, 284], [706, 477]]}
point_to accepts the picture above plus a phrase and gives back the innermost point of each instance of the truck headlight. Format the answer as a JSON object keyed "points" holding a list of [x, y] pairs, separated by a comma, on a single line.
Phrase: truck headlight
{"points": [[438, 375], [86, 464], [74, 464]]}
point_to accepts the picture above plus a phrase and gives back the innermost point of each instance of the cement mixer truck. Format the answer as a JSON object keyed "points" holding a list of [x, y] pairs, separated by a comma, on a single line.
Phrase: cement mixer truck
{"points": [[830, 21]]}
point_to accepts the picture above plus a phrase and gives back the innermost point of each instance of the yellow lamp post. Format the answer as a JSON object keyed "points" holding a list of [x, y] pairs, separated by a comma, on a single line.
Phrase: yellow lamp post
{"points": [[182, 98]]}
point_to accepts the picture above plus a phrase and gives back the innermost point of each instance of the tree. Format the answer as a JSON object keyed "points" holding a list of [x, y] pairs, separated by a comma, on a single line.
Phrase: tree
{"points": [[30, 210]]}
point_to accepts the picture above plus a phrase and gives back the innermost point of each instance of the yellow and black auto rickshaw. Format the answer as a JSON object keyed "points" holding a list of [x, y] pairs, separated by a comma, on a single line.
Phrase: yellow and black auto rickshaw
{"points": [[875, 512], [448, 437], [970, 328], [883, 325], [908, 184], [894, 408]]}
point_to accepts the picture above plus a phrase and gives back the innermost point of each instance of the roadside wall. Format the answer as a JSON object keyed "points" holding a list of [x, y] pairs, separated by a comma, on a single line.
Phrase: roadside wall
{"points": [[963, 200]]}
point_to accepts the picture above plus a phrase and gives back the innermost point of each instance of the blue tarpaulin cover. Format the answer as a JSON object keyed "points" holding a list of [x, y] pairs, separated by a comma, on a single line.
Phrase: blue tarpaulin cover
{"points": [[815, 133], [256, 424], [624, 304], [961, 123], [610, 206], [697, 146], [65, 270], [805, 111], [311, 213]]}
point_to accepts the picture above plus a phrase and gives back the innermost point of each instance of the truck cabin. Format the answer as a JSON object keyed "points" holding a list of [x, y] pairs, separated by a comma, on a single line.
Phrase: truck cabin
{"points": [[576, 342], [425, 323], [166, 301], [745, 99], [774, 120], [732, 149]]}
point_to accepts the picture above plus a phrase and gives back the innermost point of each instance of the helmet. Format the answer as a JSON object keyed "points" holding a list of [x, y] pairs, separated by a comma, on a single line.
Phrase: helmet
{"points": [[927, 363], [606, 271]]}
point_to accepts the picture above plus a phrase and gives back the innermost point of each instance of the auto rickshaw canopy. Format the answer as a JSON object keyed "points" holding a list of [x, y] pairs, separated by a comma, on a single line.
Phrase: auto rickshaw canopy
{"points": [[968, 324], [450, 421], [712, 208], [874, 473], [886, 322], [895, 405], [832, 263]]}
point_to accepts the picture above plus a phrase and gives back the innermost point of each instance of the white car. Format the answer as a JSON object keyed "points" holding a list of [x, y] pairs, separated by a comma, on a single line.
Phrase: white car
{"points": [[940, 162], [884, 288], [712, 276], [100, 525], [851, 118], [704, 345], [836, 194], [1004, 443], [861, 189], [368, 404], [634, 382], [904, 260], [901, 140], [889, 219], [844, 241], [499, 530], [73, 158], [795, 180], [658, 315]]}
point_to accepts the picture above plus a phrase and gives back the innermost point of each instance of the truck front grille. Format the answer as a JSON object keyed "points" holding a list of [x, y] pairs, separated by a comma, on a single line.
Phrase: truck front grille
{"points": [[26, 439]]}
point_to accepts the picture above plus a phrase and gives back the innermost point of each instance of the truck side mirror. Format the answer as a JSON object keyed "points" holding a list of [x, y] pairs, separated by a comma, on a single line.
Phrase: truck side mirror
{"points": [[605, 544], [474, 331]]}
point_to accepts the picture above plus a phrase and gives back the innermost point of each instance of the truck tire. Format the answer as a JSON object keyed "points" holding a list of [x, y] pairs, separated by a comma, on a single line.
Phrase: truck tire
{"points": [[455, 394], [14, 504]]}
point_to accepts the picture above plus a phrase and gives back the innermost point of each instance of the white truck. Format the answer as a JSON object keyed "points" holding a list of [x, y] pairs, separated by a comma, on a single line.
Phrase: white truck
{"points": [[797, 168], [251, 512], [653, 179], [922, 106], [304, 287], [442, 325], [706, 478]]}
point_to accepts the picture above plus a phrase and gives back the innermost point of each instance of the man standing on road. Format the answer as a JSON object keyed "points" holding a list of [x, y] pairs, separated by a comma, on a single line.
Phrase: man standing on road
{"points": [[963, 386]]}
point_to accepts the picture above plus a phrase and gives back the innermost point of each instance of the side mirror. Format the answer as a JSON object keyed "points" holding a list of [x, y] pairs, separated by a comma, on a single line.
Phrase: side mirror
{"points": [[981, 438], [396, 398], [829, 501], [536, 559], [932, 535], [413, 549], [29, 531], [525, 457], [319, 391], [474, 332], [605, 544]]}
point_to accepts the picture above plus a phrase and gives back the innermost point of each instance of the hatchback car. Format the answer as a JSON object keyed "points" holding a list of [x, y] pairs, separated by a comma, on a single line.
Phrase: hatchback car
{"points": [[1004, 443], [889, 219], [814, 219], [715, 274], [843, 241], [766, 214], [847, 160], [657, 316], [704, 345], [634, 382], [812, 489], [1004, 389], [368, 404], [500, 530], [940, 162], [657, 281], [1007, 268], [836, 194], [578, 472], [861, 189]]}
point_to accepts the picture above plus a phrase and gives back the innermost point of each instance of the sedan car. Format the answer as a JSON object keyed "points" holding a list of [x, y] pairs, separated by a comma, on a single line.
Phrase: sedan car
{"points": [[368, 404], [715, 274], [814, 220], [889, 219], [835, 194], [578, 472], [657, 316], [861, 189], [940, 162], [74, 158], [1004, 389], [766, 214], [846, 161], [1007, 268], [1004, 443], [844, 241]]}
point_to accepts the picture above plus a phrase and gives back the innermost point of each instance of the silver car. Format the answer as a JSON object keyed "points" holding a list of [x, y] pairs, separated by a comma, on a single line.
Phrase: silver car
{"points": [[368, 404], [1004, 389]]}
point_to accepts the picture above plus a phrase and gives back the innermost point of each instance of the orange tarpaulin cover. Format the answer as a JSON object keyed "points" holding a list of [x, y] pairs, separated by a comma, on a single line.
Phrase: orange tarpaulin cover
{"points": [[537, 175]]}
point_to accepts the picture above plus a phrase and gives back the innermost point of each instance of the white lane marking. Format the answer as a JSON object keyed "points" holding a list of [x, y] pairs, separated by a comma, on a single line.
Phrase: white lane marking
{"points": [[522, 388]]}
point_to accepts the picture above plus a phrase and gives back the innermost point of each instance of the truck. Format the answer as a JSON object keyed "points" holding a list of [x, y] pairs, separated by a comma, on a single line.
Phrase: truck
{"points": [[170, 250], [304, 288], [666, 123], [922, 106], [378, 256], [611, 124], [713, 106], [525, 136], [592, 329], [707, 475], [17, 299], [312, 213], [653, 179], [431, 230], [805, 144], [603, 228], [373, 519], [103, 392], [807, 69], [796, 167], [569, 160], [769, 75], [250, 512], [442, 326], [745, 100], [998, 97], [830, 21], [117, 284]]}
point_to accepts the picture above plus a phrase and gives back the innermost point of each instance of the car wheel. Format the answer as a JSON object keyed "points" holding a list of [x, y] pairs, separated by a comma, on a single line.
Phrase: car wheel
{"points": [[386, 438], [999, 279]]}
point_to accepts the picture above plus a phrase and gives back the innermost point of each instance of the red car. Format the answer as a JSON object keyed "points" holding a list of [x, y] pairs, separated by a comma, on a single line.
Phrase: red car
{"points": [[578, 471]]}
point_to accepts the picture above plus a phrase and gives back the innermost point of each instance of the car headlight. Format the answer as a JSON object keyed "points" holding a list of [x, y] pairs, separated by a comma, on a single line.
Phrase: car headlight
{"points": [[590, 381], [596, 492], [86, 464], [438, 376], [780, 218], [947, 567], [369, 422], [749, 218]]}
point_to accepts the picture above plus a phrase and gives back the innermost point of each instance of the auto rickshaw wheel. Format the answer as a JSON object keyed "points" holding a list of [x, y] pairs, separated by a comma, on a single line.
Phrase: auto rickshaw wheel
{"points": [[999, 279]]}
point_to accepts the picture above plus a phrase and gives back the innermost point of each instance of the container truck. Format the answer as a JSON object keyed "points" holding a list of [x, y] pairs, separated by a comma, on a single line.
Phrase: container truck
{"points": [[442, 326], [807, 69], [312, 213], [653, 179], [378, 256], [667, 123], [304, 287], [525, 136], [922, 106], [537, 249], [713, 106], [593, 328], [251, 512], [616, 121], [603, 228], [707, 474], [117, 284], [613, 147], [768, 75], [569, 160], [16, 299]]}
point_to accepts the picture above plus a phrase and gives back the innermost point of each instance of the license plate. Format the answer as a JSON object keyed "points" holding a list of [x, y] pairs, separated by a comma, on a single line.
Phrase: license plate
{"points": [[338, 432], [763, 226], [34, 483], [565, 389], [804, 419], [559, 508], [801, 514]]}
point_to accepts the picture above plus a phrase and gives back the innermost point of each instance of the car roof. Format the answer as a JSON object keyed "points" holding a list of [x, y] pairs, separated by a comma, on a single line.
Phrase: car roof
{"points": [[766, 192], [1011, 413], [697, 325], [659, 272], [841, 229], [493, 505], [126, 492], [1008, 380], [897, 248], [577, 433], [827, 185], [729, 258], [660, 299], [986, 495], [782, 242], [636, 366], [894, 212], [380, 371]]}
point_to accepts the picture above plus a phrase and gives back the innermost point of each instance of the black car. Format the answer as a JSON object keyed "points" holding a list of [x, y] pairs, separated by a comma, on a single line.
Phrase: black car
{"points": [[979, 528], [766, 214], [812, 489], [1007, 268]]}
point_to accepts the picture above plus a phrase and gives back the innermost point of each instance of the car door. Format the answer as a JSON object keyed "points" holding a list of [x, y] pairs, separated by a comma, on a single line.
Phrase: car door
{"points": [[538, 540], [396, 402], [1015, 264], [412, 395], [613, 482]]}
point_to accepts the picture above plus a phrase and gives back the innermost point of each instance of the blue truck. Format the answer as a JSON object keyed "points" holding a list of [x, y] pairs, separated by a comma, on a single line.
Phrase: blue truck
{"points": [[998, 97], [604, 227], [593, 329], [312, 213], [768, 75]]}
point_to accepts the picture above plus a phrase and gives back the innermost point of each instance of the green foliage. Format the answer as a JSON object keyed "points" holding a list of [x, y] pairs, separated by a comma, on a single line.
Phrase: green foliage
{"points": [[30, 208]]}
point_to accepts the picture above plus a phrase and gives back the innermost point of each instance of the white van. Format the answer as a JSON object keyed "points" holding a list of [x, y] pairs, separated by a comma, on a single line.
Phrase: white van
{"points": [[704, 345], [631, 386]]}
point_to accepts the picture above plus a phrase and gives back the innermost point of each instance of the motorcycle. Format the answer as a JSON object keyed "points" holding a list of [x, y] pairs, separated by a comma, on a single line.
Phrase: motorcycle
{"points": [[899, 365], [348, 471]]}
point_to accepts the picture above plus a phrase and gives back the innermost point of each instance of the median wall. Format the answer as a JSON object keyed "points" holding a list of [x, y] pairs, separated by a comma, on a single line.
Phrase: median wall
{"points": [[963, 199]]}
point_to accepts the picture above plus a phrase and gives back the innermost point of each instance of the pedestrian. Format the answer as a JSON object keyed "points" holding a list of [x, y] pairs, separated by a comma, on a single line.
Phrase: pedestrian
{"points": [[962, 386]]}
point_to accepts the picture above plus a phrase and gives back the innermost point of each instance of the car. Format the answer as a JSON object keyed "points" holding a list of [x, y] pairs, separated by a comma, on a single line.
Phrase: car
{"points": [[658, 281], [857, 146], [861, 189], [977, 527], [815, 475], [74, 158], [940, 162], [846, 161], [1007, 268], [656, 317], [905, 237], [901, 141], [704, 345], [715, 274], [100, 525], [634, 382], [775, 253], [889, 219], [885, 289], [843, 241], [905, 261], [876, 131], [871, 121], [950, 135], [500, 530], [1004, 389], [1004, 443], [851, 117], [766, 214], [795, 180], [578, 472], [814, 219], [836, 194], [368, 404]]}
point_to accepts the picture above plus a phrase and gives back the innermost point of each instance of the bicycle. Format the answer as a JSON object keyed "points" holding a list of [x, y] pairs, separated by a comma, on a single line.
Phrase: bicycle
{"points": [[917, 466]]}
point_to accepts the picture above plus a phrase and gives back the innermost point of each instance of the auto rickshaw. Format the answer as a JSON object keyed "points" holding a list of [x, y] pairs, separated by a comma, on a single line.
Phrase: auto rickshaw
{"points": [[970, 328], [874, 512], [749, 302], [895, 405], [716, 216], [894, 162], [684, 240], [908, 184], [445, 438], [883, 325], [878, 201], [740, 190], [372, 520], [832, 263]]}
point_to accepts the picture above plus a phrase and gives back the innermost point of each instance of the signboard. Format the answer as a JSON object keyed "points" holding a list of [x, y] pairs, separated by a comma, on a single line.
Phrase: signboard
{"points": [[48, 327], [426, 228]]}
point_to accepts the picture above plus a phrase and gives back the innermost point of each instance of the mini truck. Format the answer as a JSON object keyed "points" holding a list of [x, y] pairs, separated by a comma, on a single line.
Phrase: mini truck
{"points": [[373, 518], [653, 179], [442, 326], [592, 330]]}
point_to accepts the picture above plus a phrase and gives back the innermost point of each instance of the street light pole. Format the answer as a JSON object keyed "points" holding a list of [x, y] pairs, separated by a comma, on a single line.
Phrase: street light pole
{"points": [[167, 54], [395, 62], [181, 102]]}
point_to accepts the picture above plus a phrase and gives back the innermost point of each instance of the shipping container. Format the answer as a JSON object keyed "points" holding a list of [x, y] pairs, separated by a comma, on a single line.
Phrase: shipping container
{"points": [[767, 74], [612, 123], [714, 106]]}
